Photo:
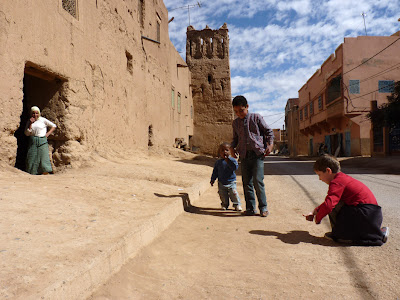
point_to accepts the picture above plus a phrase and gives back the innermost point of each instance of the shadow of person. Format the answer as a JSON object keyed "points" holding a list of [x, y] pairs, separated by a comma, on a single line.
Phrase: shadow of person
{"points": [[295, 237], [188, 207]]}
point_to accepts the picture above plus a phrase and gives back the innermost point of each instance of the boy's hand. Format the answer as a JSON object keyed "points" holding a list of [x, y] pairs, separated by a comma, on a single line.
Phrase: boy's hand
{"points": [[309, 217], [212, 183], [268, 150], [234, 154]]}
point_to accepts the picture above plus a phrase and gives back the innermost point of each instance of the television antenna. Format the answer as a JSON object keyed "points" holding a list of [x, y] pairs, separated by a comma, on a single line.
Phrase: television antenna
{"points": [[188, 7], [365, 28]]}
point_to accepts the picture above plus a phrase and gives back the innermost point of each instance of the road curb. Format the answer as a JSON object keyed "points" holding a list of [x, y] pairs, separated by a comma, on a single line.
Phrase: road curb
{"points": [[84, 280]]}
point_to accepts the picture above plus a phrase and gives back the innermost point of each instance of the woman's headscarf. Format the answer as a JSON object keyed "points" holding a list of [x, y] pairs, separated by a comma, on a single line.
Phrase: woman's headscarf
{"points": [[35, 108]]}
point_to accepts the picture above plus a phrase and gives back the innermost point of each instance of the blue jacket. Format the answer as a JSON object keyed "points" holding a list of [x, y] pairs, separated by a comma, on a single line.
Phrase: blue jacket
{"points": [[225, 172]]}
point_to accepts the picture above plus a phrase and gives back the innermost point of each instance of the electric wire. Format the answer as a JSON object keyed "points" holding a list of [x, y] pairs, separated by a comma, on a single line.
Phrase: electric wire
{"points": [[364, 63], [371, 57]]}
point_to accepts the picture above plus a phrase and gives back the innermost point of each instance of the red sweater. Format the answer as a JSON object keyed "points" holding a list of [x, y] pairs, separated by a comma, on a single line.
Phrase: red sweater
{"points": [[344, 188]]}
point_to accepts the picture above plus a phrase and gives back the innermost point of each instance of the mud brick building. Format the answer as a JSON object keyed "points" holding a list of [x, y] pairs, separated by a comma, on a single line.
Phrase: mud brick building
{"points": [[105, 71]]}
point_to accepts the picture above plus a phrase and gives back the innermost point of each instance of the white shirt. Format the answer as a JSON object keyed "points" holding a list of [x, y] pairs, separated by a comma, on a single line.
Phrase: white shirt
{"points": [[39, 128]]}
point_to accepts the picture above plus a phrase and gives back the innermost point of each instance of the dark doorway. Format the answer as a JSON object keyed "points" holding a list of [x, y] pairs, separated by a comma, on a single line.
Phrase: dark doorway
{"points": [[40, 87]]}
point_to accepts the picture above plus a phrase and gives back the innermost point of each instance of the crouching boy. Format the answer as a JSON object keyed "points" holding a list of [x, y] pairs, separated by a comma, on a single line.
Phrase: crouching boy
{"points": [[354, 213]]}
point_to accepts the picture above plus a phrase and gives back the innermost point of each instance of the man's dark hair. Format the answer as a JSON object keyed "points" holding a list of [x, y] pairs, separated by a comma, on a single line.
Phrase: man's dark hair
{"points": [[327, 161], [239, 101]]}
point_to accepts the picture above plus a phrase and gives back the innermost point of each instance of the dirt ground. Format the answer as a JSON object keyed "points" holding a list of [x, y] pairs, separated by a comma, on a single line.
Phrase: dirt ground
{"points": [[52, 224], [208, 253]]}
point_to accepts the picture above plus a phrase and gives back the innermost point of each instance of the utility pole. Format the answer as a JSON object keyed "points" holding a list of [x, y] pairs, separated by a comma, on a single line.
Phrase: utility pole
{"points": [[365, 28], [188, 7]]}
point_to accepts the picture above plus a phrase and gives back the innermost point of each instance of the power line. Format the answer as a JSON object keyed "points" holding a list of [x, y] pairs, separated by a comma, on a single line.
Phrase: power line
{"points": [[276, 121], [272, 115], [389, 85], [364, 63], [371, 57]]}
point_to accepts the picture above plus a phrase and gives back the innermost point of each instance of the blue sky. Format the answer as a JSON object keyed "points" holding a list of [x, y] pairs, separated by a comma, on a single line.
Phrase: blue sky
{"points": [[276, 45]]}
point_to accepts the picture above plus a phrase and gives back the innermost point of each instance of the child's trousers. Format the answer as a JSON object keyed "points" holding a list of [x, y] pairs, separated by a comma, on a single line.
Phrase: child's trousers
{"points": [[227, 191]]}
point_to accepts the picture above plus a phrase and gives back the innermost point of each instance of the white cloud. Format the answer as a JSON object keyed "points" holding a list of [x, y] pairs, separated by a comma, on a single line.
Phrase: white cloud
{"points": [[276, 46]]}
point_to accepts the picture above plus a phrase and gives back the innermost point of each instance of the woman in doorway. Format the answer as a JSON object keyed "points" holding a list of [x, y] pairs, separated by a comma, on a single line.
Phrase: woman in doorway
{"points": [[38, 159]]}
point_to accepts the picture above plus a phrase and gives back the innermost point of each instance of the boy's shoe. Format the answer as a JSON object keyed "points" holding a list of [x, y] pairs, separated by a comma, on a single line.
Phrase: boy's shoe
{"points": [[385, 231], [329, 236], [223, 207], [249, 213], [264, 213], [238, 207]]}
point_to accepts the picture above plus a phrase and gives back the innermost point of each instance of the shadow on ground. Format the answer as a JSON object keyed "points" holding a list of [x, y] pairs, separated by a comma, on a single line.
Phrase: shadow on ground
{"points": [[298, 236], [188, 207]]}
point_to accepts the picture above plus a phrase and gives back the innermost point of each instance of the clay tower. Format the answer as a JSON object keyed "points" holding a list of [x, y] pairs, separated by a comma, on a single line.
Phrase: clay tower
{"points": [[207, 55]]}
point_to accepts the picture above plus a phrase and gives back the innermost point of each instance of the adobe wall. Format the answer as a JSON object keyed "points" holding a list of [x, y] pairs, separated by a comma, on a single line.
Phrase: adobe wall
{"points": [[100, 75], [207, 55]]}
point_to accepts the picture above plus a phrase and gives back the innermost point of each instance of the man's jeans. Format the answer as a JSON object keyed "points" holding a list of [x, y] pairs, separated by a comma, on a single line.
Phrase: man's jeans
{"points": [[252, 167], [227, 191]]}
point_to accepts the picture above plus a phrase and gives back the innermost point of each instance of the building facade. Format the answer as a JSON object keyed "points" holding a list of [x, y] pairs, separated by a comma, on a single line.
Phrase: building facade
{"points": [[334, 102], [207, 55], [105, 72]]}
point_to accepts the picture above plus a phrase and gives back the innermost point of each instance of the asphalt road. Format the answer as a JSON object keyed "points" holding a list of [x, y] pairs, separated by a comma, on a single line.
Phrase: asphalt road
{"points": [[211, 254]]}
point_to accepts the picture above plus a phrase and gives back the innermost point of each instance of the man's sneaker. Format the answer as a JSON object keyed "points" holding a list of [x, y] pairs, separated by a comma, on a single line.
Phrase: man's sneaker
{"points": [[249, 213], [264, 213], [238, 208], [385, 231], [329, 236]]}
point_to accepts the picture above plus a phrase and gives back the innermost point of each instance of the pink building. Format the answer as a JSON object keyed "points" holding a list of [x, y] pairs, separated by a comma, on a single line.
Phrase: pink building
{"points": [[334, 102]]}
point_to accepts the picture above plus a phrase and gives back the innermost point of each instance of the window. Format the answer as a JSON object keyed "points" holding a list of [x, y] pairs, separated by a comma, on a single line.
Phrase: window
{"points": [[334, 89], [320, 102], [311, 108], [354, 86], [179, 103], [71, 7], [301, 115], [173, 98], [306, 112], [386, 86]]}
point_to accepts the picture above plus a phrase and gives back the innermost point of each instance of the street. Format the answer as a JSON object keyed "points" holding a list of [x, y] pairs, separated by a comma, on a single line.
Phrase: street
{"points": [[208, 253]]}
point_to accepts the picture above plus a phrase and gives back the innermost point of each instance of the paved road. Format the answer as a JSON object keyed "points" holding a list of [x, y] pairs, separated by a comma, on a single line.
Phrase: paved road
{"points": [[210, 254]]}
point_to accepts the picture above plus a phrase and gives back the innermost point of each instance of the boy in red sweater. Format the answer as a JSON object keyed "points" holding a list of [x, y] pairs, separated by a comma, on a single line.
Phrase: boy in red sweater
{"points": [[353, 211]]}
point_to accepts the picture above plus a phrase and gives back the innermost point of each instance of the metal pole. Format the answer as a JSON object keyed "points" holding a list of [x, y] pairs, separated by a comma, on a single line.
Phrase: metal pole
{"points": [[365, 28]]}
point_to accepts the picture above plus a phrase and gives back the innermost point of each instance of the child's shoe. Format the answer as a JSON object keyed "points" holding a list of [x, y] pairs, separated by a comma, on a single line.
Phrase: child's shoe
{"points": [[223, 207], [385, 231], [238, 207]]}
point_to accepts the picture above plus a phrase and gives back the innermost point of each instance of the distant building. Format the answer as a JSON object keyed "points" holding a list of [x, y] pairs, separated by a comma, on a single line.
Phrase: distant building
{"points": [[207, 55], [297, 142], [334, 102]]}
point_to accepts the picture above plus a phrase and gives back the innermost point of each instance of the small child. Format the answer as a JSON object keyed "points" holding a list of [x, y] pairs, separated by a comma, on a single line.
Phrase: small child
{"points": [[224, 170], [353, 211]]}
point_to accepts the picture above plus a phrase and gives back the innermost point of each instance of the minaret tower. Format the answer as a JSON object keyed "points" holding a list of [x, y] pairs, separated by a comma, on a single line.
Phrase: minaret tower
{"points": [[207, 55]]}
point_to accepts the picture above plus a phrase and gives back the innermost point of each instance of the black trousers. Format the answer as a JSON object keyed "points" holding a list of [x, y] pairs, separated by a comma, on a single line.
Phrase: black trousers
{"points": [[361, 223]]}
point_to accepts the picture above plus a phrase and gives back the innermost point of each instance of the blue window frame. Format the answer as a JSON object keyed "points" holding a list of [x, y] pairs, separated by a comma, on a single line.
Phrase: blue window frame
{"points": [[354, 86], [386, 86]]}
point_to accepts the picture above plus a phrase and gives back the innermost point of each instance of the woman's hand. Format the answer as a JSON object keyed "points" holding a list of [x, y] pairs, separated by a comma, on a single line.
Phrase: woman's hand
{"points": [[32, 120]]}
